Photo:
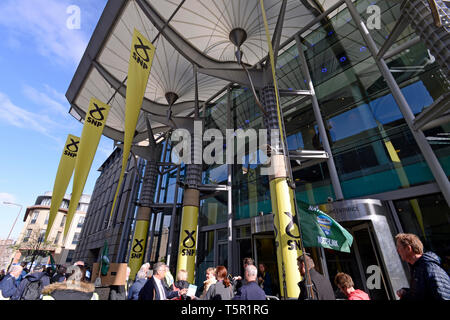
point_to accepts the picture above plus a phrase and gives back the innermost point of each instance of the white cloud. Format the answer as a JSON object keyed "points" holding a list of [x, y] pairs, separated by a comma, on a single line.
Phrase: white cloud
{"points": [[43, 99], [7, 197], [22, 118], [44, 21], [56, 94]]}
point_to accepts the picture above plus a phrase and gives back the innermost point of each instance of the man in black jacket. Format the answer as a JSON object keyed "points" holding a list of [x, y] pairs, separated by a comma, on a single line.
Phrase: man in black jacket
{"points": [[428, 280], [251, 290], [321, 286], [8, 285], [154, 288], [37, 276]]}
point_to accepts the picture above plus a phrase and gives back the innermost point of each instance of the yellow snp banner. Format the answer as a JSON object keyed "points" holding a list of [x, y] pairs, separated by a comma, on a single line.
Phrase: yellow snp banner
{"points": [[288, 234], [141, 59], [63, 176], [94, 123], [188, 241], [137, 247], [276, 228]]}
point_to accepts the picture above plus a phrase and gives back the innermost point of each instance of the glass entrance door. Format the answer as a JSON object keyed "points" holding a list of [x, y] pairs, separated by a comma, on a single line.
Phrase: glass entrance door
{"points": [[363, 263], [264, 249]]}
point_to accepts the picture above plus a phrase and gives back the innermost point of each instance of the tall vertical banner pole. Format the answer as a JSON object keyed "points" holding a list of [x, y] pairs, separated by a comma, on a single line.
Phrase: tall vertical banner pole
{"points": [[284, 207], [94, 123], [188, 233], [63, 176], [139, 241], [141, 59]]}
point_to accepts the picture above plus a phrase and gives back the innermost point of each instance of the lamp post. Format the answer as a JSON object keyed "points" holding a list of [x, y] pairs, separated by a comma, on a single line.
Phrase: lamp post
{"points": [[10, 231], [14, 204]]}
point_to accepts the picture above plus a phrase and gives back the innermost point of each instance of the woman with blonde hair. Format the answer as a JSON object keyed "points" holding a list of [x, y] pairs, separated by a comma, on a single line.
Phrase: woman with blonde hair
{"points": [[210, 280]]}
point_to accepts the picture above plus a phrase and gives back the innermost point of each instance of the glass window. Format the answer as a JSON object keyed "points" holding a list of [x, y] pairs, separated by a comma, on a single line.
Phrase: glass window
{"points": [[65, 204], [63, 221], [222, 234], [46, 218], [46, 202], [205, 257], [213, 210], [76, 237], [428, 217], [70, 256], [34, 217], [41, 236], [27, 235], [58, 236], [80, 222]]}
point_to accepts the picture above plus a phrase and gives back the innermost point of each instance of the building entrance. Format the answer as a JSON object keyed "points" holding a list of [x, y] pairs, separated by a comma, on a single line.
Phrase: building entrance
{"points": [[363, 263], [264, 249]]}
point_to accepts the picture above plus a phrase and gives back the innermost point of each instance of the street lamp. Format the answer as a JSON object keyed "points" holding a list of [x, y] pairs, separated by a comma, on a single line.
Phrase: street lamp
{"points": [[14, 204]]}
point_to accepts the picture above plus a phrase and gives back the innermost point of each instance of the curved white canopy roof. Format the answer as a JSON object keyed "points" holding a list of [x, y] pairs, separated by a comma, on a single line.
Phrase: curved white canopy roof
{"points": [[197, 34]]}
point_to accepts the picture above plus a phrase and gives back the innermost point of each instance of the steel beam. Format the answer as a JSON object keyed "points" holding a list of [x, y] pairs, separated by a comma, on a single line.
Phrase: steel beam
{"points": [[436, 110], [399, 27], [334, 177], [419, 137], [401, 48], [173, 218]]}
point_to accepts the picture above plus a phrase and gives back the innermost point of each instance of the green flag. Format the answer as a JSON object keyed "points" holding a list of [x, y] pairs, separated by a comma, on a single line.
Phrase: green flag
{"points": [[104, 260], [320, 230]]}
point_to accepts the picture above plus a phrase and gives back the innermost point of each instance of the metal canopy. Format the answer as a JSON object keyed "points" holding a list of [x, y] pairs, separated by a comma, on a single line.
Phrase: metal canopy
{"points": [[198, 35]]}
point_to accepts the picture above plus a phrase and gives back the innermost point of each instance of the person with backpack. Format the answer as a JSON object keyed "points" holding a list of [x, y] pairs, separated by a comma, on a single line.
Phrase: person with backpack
{"points": [[31, 286], [8, 284]]}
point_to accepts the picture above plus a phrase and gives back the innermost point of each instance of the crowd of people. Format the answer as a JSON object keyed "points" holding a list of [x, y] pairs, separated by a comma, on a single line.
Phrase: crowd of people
{"points": [[428, 281], [47, 283]]}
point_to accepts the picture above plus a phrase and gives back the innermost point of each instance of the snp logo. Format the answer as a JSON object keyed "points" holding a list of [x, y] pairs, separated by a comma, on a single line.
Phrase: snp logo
{"points": [[140, 54], [137, 249], [96, 116], [72, 148], [189, 242], [74, 20]]}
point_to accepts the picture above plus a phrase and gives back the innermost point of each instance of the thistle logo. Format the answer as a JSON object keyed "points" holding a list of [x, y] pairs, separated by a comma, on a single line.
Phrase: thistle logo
{"points": [[73, 144], [72, 148], [189, 251], [140, 59], [96, 116], [137, 249]]}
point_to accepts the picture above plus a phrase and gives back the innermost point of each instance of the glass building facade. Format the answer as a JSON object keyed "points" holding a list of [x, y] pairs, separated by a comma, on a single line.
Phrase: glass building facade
{"points": [[377, 163], [374, 150]]}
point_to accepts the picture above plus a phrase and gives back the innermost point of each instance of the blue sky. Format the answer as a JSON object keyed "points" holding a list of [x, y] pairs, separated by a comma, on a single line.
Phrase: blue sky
{"points": [[38, 58]]}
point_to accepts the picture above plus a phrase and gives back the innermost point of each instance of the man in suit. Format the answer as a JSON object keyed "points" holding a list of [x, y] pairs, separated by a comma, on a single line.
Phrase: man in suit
{"points": [[251, 290], [154, 288]]}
